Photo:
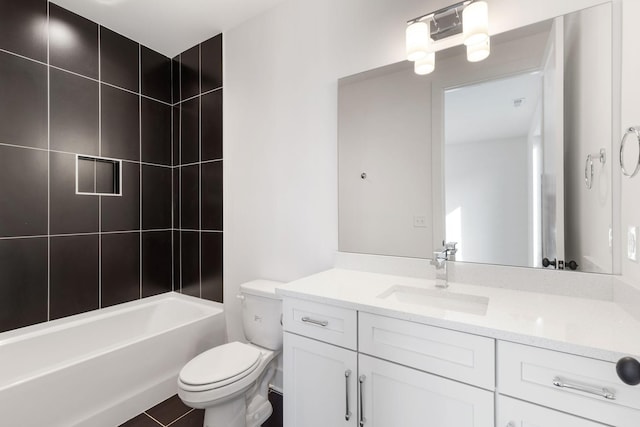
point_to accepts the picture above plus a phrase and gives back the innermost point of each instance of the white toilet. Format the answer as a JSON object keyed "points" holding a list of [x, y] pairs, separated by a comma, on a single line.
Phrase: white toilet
{"points": [[231, 381]]}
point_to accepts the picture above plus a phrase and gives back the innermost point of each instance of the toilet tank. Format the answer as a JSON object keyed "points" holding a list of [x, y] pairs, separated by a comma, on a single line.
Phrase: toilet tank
{"points": [[261, 313]]}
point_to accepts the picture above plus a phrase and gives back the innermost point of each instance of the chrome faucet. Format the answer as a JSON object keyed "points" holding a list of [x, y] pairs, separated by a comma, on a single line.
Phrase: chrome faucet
{"points": [[439, 260]]}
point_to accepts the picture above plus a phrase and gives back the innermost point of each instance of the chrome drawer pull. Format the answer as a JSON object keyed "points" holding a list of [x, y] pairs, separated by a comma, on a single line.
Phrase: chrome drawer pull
{"points": [[361, 379], [597, 391], [347, 412], [322, 323]]}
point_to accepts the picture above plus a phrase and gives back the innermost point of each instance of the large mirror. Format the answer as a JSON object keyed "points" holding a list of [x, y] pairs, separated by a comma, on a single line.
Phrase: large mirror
{"points": [[510, 157]]}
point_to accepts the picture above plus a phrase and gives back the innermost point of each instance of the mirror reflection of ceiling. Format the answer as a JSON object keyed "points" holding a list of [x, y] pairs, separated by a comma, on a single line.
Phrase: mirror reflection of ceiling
{"points": [[469, 117]]}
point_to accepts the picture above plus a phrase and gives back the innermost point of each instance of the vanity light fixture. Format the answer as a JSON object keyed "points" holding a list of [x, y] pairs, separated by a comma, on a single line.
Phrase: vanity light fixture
{"points": [[465, 22]]}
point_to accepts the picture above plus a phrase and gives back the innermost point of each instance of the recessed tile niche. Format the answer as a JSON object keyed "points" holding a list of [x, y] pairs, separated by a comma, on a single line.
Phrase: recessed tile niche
{"points": [[98, 176]]}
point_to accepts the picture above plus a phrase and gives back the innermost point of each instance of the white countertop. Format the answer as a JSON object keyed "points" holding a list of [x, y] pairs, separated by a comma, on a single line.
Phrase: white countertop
{"points": [[587, 327]]}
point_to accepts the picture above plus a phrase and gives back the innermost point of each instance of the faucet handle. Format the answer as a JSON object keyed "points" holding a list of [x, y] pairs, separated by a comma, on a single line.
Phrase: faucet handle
{"points": [[451, 246]]}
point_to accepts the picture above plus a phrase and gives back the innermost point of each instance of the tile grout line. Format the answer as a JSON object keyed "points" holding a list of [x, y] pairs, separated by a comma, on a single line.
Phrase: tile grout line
{"points": [[5, 144], [180, 163], [147, 414], [48, 170], [180, 417], [140, 257], [100, 154], [55, 67], [200, 167]]}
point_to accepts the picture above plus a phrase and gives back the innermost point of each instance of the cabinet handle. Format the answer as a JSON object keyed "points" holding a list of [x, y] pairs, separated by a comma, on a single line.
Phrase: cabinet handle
{"points": [[361, 379], [597, 391], [347, 412], [322, 323]]}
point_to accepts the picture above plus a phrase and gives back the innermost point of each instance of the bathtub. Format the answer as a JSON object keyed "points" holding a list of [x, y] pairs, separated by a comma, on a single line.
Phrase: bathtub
{"points": [[104, 367]]}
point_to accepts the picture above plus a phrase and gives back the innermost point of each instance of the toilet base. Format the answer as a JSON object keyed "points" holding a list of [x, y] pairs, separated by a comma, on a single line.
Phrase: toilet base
{"points": [[231, 413], [234, 413]]}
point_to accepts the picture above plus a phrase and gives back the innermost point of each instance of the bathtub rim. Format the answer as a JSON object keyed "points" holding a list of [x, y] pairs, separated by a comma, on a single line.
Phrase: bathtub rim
{"points": [[33, 331]]}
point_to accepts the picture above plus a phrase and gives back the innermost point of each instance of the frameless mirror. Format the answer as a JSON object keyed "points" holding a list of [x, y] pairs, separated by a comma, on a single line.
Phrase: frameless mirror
{"points": [[509, 157]]}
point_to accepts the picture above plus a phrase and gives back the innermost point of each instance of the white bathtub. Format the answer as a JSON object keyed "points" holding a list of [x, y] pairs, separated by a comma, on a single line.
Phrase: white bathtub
{"points": [[104, 367]]}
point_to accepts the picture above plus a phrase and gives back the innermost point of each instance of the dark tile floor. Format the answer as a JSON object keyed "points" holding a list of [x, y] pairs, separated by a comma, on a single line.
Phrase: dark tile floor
{"points": [[172, 412]]}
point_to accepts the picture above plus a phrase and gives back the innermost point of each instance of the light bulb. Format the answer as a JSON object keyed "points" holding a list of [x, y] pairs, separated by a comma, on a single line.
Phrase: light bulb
{"points": [[418, 38], [425, 65], [479, 52], [475, 23]]}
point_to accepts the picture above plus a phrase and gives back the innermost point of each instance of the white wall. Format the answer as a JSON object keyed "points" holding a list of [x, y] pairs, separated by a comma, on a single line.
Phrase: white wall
{"points": [[384, 129], [280, 122], [494, 216]]}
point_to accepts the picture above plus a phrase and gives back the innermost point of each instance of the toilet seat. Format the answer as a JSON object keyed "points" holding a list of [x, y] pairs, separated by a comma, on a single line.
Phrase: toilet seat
{"points": [[220, 366]]}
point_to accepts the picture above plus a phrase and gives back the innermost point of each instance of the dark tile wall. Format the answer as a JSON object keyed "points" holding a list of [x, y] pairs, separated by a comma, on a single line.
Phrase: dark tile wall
{"points": [[95, 93], [197, 125]]}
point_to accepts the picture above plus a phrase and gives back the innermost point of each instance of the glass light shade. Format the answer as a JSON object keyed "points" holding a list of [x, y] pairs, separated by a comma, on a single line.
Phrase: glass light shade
{"points": [[479, 52], [475, 23], [425, 65], [418, 38]]}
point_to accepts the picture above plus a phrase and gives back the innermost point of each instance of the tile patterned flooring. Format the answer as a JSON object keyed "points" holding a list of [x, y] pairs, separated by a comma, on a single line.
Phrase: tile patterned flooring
{"points": [[172, 412]]}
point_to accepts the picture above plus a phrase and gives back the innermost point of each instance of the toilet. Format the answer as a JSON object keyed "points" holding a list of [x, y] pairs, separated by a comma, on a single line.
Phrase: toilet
{"points": [[231, 382]]}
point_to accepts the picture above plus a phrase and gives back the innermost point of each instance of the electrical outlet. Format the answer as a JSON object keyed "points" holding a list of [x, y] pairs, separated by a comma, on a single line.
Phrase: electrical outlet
{"points": [[632, 243], [420, 221]]}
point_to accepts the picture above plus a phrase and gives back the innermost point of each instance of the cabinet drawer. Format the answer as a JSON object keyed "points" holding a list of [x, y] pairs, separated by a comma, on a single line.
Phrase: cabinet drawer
{"points": [[322, 322], [462, 357], [569, 383], [512, 413]]}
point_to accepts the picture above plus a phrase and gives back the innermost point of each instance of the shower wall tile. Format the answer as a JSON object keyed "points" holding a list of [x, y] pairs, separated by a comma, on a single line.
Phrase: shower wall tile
{"points": [[73, 275], [190, 131], [23, 275], [23, 103], [74, 113], [74, 88], [155, 75], [122, 213], [156, 197], [23, 192], [211, 54], [211, 181], [120, 268], [190, 262], [26, 40], [73, 42], [212, 125], [157, 265], [156, 132], [211, 266], [119, 60], [190, 197], [120, 124], [190, 73], [198, 187], [68, 212]]}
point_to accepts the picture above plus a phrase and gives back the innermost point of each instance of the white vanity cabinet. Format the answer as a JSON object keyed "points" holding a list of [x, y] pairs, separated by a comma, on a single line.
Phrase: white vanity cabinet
{"points": [[516, 413], [328, 382], [320, 365]]}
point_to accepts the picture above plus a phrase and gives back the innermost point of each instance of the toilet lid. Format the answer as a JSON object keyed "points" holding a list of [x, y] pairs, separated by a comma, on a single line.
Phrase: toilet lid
{"points": [[221, 363]]}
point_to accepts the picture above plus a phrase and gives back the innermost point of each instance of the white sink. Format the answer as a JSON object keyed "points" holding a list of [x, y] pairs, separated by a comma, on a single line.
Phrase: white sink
{"points": [[437, 298]]}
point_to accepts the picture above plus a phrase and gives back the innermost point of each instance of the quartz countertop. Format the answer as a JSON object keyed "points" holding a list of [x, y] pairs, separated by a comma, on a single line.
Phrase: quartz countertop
{"points": [[588, 327]]}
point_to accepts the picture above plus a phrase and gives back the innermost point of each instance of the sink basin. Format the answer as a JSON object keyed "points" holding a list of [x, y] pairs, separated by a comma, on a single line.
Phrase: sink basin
{"points": [[437, 298]]}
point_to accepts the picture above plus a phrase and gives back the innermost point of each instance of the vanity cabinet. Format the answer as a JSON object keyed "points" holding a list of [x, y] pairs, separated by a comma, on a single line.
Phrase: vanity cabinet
{"points": [[516, 413], [320, 382], [328, 381], [344, 367]]}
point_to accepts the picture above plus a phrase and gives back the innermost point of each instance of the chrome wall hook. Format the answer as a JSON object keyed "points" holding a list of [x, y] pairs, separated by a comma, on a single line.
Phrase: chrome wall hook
{"points": [[588, 167]]}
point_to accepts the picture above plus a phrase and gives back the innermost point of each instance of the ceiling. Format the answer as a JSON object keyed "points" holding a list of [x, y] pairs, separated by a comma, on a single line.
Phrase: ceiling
{"points": [[168, 26], [488, 111]]}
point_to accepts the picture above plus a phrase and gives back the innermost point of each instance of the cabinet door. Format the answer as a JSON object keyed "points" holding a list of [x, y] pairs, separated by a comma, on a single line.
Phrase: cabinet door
{"points": [[394, 395], [320, 384], [516, 413]]}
